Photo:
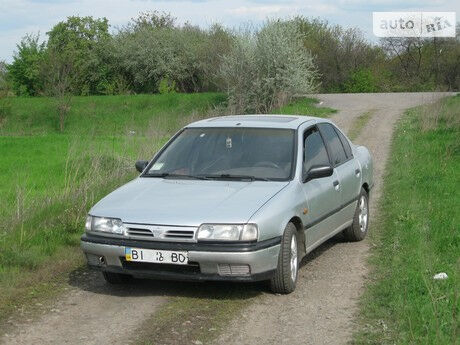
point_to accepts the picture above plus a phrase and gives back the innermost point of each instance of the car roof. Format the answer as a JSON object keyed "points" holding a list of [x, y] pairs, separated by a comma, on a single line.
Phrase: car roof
{"points": [[260, 120]]}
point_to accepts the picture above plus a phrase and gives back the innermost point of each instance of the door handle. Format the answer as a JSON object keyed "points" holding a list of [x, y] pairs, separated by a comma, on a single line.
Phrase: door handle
{"points": [[336, 185]]}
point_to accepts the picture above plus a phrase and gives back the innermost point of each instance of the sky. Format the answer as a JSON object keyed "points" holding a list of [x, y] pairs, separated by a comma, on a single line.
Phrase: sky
{"points": [[20, 17]]}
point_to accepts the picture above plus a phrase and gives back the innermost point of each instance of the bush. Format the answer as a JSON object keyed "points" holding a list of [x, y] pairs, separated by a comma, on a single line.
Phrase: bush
{"points": [[166, 86], [362, 80], [24, 72], [265, 69], [153, 47]]}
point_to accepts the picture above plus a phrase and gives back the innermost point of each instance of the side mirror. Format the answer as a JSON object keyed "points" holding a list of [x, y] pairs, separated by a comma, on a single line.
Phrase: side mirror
{"points": [[140, 165], [318, 171]]}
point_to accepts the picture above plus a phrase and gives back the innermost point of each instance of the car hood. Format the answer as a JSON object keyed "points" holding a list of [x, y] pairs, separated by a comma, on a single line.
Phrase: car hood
{"points": [[186, 202]]}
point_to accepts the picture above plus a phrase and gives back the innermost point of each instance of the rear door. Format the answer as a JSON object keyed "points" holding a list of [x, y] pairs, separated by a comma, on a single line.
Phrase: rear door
{"points": [[322, 195], [346, 167]]}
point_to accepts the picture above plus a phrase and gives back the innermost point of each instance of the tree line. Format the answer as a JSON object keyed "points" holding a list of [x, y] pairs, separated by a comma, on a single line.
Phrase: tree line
{"points": [[258, 67]]}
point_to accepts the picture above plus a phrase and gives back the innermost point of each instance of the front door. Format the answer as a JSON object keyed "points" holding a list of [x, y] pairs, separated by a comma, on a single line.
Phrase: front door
{"points": [[322, 195]]}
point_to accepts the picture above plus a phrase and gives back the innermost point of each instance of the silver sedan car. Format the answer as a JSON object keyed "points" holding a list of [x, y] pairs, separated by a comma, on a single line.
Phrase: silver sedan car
{"points": [[240, 198]]}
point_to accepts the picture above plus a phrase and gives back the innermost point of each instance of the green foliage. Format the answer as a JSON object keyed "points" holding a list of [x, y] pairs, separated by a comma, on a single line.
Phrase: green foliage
{"points": [[3, 78], [81, 42], [24, 72], [362, 80], [166, 86], [153, 47], [417, 236], [266, 68], [274, 62], [338, 52]]}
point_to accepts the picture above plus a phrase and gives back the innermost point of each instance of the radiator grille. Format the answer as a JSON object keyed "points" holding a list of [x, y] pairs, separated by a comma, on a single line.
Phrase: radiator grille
{"points": [[180, 234], [140, 232], [154, 232]]}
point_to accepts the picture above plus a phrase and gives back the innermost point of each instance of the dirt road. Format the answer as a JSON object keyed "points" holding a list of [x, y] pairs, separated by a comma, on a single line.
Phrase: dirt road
{"points": [[320, 311]]}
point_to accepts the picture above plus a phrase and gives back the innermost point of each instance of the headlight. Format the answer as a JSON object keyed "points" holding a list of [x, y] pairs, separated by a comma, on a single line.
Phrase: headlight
{"points": [[110, 225], [227, 232]]}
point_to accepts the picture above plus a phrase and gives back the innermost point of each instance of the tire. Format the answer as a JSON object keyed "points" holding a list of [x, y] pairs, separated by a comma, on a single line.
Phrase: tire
{"points": [[358, 229], [116, 278], [284, 279]]}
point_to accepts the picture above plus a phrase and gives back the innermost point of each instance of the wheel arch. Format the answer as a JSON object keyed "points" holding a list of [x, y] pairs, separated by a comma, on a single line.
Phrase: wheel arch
{"points": [[301, 233], [366, 187]]}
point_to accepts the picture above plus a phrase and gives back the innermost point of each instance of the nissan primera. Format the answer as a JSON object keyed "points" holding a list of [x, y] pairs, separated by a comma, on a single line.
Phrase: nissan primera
{"points": [[240, 198]]}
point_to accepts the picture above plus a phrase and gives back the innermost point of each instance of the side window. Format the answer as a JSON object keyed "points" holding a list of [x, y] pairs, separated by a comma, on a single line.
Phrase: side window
{"points": [[345, 143], [335, 146], [314, 151]]}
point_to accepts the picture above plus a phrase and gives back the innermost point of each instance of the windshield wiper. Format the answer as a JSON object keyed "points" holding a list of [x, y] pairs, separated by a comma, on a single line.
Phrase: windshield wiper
{"points": [[235, 177], [171, 175]]}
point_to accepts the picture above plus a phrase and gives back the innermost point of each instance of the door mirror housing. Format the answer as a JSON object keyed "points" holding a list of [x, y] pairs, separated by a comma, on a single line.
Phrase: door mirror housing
{"points": [[318, 171], [141, 165]]}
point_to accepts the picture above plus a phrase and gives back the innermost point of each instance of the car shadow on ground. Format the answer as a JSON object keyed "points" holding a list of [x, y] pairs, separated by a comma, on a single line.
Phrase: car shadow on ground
{"points": [[91, 280]]}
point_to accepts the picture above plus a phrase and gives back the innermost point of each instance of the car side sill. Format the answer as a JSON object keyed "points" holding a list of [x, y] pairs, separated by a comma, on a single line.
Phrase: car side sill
{"points": [[328, 236], [327, 215]]}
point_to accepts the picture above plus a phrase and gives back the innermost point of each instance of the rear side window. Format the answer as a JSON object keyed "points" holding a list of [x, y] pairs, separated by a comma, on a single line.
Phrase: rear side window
{"points": [[345, 143], [314, 150], [336, 149]]}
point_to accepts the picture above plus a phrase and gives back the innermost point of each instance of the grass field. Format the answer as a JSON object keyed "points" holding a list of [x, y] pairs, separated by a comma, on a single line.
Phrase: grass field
{"points": [[49, 179], [305, 106], [419, 234]]}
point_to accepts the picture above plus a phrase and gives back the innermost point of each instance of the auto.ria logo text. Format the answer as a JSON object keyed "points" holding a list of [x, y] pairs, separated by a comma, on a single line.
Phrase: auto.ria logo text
{"points": [[414, 24]]}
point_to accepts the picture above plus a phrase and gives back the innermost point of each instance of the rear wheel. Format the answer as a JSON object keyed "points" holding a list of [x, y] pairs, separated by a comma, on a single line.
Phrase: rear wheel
{"points": [[358, 229], [285, 278], [116, 278]]}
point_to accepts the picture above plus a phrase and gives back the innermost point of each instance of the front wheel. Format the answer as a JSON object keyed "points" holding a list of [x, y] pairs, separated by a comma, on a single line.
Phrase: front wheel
{"points": [[285, 277], [358, 229]]}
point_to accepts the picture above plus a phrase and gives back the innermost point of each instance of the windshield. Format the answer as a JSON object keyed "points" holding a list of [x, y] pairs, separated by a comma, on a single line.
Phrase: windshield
{"points": [[227, 153]]}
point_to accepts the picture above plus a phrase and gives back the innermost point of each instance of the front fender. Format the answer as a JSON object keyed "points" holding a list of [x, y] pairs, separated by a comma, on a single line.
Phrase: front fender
{"points": [[274, 215]]}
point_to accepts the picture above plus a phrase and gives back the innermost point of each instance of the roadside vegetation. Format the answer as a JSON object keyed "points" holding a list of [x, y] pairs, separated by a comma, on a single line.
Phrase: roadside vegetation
{"points": [[272, 62], [418, 234]]}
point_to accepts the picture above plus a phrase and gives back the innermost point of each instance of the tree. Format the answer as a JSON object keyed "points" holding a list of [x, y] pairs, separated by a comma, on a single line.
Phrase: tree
{"points": [[80, 40], [267, 68], [152, 49], [24, 72], [58, 75], [338, 53], [3, 76]]}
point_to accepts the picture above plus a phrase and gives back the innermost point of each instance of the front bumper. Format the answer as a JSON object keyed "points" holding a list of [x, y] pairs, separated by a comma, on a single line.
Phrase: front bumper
{"points": [[205, 260]]}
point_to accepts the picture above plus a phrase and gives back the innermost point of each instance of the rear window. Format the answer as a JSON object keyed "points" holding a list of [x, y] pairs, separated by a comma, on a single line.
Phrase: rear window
{"points": [[334, 144], [345, 143]]}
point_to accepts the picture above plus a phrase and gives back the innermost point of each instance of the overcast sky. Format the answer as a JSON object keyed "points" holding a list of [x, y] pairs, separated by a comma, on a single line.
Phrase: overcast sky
{"points": [[19, 17]]}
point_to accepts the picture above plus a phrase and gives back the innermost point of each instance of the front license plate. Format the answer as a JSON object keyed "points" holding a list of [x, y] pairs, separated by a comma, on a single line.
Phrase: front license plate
{"points": [[156, 256]]}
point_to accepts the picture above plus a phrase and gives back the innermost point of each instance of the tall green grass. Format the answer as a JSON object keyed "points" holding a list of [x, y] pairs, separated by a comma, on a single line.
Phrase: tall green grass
{"points": [[103, 115], [418, 234]]}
